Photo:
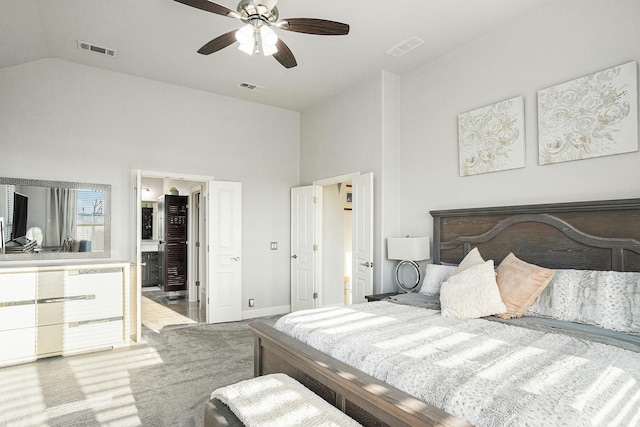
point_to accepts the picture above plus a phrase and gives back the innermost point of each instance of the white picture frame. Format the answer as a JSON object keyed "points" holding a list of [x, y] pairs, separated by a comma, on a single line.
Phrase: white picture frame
{"points": [[592, 116], [492, 138]]}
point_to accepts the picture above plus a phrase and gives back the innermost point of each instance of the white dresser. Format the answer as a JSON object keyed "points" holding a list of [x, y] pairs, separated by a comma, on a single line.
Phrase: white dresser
{"points": [[63, 309]]}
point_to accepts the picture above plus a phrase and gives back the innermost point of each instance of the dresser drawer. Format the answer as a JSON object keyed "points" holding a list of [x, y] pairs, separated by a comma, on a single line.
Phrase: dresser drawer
{"points": [[70, 337], [18, 316], [84, 297], [17, 287], [17, 345], [55, 284], [17, 301]]}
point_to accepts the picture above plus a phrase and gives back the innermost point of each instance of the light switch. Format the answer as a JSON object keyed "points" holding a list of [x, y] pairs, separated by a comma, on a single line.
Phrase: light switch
{"points": [[274, 246]]}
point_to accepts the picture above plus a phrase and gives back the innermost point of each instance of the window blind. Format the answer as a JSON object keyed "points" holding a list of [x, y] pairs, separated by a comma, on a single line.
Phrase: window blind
{"points": [[90, 217]]}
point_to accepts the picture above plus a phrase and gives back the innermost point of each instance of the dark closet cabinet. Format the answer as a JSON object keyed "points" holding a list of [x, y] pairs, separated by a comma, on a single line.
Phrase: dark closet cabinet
{"points": [[172, 250]]}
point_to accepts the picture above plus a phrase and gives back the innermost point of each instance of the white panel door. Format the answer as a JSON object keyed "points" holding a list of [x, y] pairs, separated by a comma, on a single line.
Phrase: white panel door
{"points": [[303, 257], [362, 235], [224, 287]]}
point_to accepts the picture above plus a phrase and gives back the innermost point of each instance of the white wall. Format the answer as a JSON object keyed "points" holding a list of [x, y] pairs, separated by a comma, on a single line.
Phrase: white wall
{"points": [[155, 186], [68, 122], [564, 40], [345, 135], [415, 158], [390, 221]]}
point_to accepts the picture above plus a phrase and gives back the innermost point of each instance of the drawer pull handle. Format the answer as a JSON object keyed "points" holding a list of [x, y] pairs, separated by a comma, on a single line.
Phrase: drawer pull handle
{"points": [[94, 321], [17, 303], [65, 299]]}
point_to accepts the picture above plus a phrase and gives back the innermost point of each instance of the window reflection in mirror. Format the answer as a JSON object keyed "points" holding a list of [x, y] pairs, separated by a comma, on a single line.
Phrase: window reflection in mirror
{"points": [[52, 219]]}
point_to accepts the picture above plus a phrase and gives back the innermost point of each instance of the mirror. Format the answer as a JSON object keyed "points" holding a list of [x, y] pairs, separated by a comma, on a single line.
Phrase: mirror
{"points": [[54, 220], [149, 221]]}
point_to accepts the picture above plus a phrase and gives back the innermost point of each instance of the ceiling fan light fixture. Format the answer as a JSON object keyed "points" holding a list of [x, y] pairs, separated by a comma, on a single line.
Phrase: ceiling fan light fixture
{"points": [[245, 35], [247, 48], [268, 36], [256, 36], [268, 4], [269, 50]]}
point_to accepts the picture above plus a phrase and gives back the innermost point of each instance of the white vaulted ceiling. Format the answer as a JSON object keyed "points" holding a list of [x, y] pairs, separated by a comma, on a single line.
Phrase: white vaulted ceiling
{"points": [[158, 39]]}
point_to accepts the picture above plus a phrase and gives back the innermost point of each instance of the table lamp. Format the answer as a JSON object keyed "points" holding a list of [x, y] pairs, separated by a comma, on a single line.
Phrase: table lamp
{"points": [[408, 250]]}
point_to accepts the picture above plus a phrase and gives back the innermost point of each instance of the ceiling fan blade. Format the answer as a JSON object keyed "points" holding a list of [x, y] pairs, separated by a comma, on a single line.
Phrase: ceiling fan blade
{"points": [[284, 55], [314, 26], [211, 7], [218, 43]]}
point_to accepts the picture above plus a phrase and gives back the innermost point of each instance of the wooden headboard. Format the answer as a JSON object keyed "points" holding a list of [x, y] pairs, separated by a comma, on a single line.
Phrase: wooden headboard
{"points": [[600, 235]]}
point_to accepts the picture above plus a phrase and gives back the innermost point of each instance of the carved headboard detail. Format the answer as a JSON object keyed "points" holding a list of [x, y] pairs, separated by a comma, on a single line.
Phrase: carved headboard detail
{"points": [[600, 235]]}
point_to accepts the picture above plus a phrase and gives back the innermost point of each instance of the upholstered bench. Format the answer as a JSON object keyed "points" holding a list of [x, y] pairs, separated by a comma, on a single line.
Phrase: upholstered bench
{"points": [[217, 414], [274, 400]]}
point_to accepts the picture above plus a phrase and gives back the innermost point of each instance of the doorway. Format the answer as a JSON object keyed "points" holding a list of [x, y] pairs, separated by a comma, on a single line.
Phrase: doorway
{"points": [[336, 246], [220, 230], [162, 305], [332, 257]]}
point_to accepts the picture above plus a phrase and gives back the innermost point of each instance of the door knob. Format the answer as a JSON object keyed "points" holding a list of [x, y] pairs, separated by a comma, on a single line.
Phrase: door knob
{"points": [[236, 258], [294, 256], [367, 264]]}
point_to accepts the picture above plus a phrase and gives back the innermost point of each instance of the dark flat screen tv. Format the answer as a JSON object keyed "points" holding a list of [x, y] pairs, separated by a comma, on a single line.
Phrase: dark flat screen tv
{"points": [[20, 208]]}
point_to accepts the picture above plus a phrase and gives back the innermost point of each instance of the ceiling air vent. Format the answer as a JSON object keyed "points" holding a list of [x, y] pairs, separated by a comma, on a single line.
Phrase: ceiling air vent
{"points": [[405, 46], [252, 87], [97, 49]]}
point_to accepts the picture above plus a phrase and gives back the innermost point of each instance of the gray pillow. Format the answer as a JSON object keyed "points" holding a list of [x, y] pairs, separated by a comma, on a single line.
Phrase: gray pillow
{"points": [[608, 299], [434, 276]]}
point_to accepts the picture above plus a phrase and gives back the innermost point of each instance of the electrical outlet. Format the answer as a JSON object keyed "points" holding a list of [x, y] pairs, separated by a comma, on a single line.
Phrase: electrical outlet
{"points": [[251, 302]]}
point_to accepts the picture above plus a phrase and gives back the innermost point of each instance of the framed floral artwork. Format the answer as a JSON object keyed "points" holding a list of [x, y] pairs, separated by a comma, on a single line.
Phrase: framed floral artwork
{"points": [[593, 116], [491, 138]]}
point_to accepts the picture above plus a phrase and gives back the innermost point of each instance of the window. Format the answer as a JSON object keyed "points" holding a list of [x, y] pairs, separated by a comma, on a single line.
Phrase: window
{"points": [[90, 217]]}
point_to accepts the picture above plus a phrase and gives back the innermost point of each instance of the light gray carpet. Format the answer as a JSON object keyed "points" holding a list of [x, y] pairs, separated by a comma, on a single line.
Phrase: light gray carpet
{"points": [[164, 382]]}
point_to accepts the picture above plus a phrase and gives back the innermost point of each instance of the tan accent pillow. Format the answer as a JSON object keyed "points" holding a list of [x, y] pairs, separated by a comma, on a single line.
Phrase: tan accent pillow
{"points": [[520, 283], [472, 259]]}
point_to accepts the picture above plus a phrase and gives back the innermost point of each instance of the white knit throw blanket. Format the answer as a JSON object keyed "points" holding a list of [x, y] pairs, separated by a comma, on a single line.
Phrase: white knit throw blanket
{"points": [[488, 373], [277, 400]]}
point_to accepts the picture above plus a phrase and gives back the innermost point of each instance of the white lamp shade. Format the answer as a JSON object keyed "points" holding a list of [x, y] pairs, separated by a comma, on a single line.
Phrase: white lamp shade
{"points": [[246, 48], [268, 36], [269, 50], [245, 35], [408, 248]]}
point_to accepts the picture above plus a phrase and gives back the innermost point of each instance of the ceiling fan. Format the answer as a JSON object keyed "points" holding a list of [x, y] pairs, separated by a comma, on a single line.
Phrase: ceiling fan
{"points": [[259, 16]]}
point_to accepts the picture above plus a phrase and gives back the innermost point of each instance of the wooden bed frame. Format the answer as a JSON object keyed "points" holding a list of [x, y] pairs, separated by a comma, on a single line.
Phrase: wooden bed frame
{"points": [[602, 235]]}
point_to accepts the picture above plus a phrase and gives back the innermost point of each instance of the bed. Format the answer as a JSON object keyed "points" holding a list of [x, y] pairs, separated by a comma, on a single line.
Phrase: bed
{"points": [[600, 238]]}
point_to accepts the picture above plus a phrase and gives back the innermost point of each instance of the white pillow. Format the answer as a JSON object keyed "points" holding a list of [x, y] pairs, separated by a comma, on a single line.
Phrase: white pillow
{"points": [[471, 259], [472, 293], [434, 276]]}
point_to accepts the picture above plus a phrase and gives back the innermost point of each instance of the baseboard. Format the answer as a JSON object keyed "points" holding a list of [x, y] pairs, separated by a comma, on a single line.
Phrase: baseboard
{"points": [[263, 312]]}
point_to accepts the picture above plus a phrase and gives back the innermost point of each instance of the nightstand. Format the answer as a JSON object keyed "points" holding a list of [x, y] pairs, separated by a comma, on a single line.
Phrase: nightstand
{"points": [[378, 297]]}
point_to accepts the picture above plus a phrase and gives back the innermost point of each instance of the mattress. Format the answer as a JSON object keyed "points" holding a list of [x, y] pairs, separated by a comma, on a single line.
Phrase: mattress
{"points": [[490, 373]]}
